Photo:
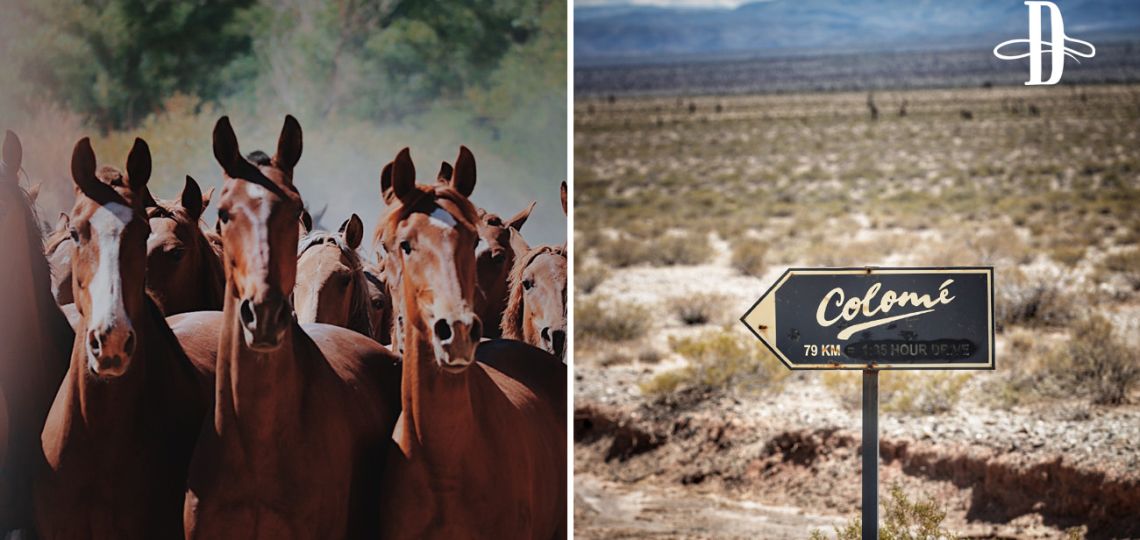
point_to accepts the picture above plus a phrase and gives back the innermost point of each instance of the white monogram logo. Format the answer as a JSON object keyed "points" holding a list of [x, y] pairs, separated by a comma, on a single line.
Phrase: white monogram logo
{"points": [[1057, 49]]}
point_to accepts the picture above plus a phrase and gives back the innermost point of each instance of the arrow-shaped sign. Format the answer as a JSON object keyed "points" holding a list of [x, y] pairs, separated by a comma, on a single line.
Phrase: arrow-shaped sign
{"points": [[882, 318]]}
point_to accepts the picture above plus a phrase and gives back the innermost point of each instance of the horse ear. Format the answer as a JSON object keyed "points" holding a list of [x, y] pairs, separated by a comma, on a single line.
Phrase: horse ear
{"points": [[463, 177], [13, 155], [562, 189], [34, 192], [353, 231], [83, 165], [207, 197], [138, 165], [306, 220], [519, 219], [403, 176], [518, 245], [289, 145], [226, 150], [445, 172], [192, 199], [386, 192], [62, 222]]}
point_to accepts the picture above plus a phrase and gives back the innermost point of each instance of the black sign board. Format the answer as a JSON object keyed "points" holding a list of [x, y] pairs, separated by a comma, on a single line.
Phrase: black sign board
{"points": [[878, 318]]}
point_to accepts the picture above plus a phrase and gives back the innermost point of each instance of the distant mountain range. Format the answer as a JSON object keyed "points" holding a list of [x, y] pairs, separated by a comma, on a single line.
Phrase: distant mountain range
{"points": [[617, 31]]}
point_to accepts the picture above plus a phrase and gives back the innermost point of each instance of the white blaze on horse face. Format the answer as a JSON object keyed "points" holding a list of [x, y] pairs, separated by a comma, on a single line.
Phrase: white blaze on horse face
{"points": [[481, 247], [108, 309]]}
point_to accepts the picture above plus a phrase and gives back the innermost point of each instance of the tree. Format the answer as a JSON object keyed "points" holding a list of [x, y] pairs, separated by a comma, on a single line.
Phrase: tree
{"points": [[116, 61]]}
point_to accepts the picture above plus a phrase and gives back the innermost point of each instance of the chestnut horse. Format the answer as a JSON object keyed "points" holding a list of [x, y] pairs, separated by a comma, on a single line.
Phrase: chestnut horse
{"points": [[331, 286], [482, 435], [301, 414], [536, 312], [35, 341], [380, 302], [494, 259], [184, 273], [119, 436]]}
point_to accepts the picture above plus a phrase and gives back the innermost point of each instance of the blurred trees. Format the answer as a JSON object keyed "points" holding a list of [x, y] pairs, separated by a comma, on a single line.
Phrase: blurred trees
{"points": [[116, 61], [502, 62]]}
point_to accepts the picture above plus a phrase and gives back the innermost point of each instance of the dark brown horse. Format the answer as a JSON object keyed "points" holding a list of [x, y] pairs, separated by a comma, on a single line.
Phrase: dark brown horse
{"points": [[119, 436], [35, 341], [184, 273], [536, 311], [380, 302], [494, 259], [482, 436], [331, 286], [302, 414]]}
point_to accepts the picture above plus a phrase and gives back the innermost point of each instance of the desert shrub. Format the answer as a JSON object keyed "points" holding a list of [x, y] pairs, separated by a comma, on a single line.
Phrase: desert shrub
{"points": [[621, 252], [612, 322], [719, 359], [1030, 299], [1068, 255], [907, 392], [678, 249], [903, 519], [1125, 263], [700, 308], [588, 276], [1000, 244], [1096, 363], [748, 256]]}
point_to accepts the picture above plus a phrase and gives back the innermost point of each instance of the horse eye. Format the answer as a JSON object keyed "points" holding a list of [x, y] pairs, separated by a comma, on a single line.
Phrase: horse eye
{"points": [[378, 304], [406, 247], [177, 254], [528, 283], [74, 234], [223, 215]]}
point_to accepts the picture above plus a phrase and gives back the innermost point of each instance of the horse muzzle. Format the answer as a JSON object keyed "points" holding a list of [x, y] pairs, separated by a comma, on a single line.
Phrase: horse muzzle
{"points": [[264, 321], [110, 349], [454, 341]]}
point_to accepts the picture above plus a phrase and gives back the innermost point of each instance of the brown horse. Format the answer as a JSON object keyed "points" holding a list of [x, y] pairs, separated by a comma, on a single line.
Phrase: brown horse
{"points": [[331, 286], [380, 302], [536, 312], [119, 436], [35, 341], [301, 413], [58, 248], [184, 273], [494, 259], [482, 436]]}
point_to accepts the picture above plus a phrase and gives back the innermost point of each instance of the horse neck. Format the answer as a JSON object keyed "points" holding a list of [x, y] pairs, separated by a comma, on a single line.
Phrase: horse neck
{"points": [[257, 394], [439, 408]]}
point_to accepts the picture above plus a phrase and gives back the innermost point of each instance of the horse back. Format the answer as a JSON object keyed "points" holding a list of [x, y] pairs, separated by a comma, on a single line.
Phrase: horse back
{"points": [[541, 372]]}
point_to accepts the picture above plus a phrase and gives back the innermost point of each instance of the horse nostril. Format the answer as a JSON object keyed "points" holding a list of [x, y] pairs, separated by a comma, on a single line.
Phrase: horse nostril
{"points": [[476, 330], [545, 333], [558, 337], [129, 344], [247, 316], [94, 343], [442, 330]]}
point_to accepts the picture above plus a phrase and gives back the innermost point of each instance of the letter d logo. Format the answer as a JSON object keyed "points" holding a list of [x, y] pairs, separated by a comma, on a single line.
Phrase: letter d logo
{"points": [[1056, 49]]}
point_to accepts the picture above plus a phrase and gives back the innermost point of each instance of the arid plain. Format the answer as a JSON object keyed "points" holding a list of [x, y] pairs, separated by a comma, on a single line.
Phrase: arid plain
{"points": [[688, 208]]}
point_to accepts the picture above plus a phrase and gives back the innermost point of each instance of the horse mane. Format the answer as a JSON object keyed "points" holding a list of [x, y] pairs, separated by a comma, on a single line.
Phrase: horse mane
{"points": [[512, 325], [359, 314]]}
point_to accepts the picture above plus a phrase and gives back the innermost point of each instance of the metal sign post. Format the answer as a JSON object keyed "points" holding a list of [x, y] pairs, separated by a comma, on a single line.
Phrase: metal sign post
{"points": [[870, 454], [872, 319]]}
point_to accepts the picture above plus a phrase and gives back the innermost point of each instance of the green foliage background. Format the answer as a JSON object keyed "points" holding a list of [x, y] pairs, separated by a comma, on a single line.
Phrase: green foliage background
{"points": [[364, 77]]}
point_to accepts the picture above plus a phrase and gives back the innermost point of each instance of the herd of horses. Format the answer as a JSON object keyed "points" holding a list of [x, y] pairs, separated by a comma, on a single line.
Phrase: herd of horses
{"points": [[260, 379]]}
